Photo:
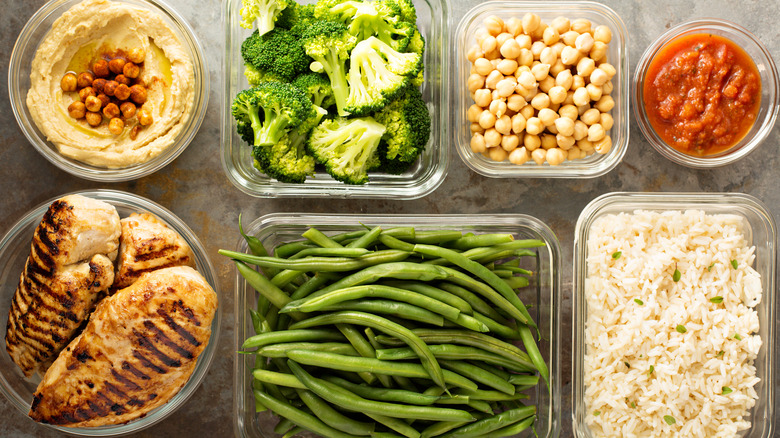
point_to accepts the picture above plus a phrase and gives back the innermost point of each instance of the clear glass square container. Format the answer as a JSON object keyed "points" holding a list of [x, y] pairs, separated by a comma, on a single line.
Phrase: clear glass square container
{"points": [[760, 230], [14, 250], [424, 176], [464, 37], [543, 295]]}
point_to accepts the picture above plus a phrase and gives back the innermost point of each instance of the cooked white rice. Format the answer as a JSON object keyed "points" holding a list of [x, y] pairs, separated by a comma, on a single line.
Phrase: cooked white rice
{"points": [[639, 367]]}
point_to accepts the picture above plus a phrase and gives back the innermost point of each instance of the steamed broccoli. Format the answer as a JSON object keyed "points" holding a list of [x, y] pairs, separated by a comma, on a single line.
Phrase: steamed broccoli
{"points": [[329, 43], [347, 147], [295, 16], [317, 87], [278, 53], [261, 12], [270, 109], [255, 76], [286, 160], [408, 127], [365, 19]]}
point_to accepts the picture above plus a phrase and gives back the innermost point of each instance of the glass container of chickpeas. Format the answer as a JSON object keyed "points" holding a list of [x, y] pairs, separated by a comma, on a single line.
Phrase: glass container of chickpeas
{"points": [[541, 89]]}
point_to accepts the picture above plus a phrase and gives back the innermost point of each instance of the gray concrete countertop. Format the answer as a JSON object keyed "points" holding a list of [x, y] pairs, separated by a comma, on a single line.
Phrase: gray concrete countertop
{"points": [[195, 187]]}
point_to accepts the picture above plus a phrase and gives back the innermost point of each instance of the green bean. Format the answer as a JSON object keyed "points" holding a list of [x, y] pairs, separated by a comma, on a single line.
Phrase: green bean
{"points": [[484, 274], [399, 270], [313, 283], [479, 375], [512, 429], [262, 285], [317, 237], [280, 350], [385, 325], [503, 273], [456, 352], [393, 243], [403, 233], [477, 303], [489, 253], [481, 427], [299, 417], [263, 339], [473, 241], [349, 235], [490, 395], [480, 405], [255, 246], [286, 277], [404, 310], [471, 323], [395, 424], [534, 353], [364, 348], [289, 249], [523, 380], [294, 431], [441, 427], [277, 378], [514, 267], [433, 292], [496, 327], [315, 303], [283, 426], [350, 401], [361, 364], [323, 264], [366, 239], [332, 417], [384, 394], [516, 282], [486, 291], [330, 252]]}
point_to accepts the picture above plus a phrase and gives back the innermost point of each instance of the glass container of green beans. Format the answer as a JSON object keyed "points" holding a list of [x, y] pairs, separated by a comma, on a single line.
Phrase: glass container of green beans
{"points": [[519, 251]]}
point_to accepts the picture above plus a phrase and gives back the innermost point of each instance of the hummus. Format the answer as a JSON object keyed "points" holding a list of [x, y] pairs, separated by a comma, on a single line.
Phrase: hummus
{"points": [[75, 41]]}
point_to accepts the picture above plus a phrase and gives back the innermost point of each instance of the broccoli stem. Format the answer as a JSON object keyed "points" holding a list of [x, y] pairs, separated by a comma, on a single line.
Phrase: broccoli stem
{"points": [[334, 68], [272, 130]]}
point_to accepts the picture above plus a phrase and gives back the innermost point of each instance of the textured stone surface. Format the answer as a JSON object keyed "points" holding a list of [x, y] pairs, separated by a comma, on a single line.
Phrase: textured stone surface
{"points": [[195, 188]]}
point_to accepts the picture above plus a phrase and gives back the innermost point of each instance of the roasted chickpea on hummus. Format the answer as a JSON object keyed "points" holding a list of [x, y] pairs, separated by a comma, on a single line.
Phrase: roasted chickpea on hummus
{"points": [[80, 38]]}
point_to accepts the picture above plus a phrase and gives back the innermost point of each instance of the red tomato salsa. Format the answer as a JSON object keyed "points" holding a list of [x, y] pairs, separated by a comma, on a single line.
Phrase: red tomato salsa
{"points": [[702, 94]]}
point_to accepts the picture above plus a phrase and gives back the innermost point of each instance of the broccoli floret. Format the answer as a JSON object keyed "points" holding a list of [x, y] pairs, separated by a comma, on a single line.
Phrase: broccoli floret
{"points": [[347, 147], [287, 160], [416, 43], [279, 52], [255, 76], [365, 19], [271, 109], [406, 9], [317, 87], [408, 127], [261, 12], [329, 43], [373, 80], [295, 16]]}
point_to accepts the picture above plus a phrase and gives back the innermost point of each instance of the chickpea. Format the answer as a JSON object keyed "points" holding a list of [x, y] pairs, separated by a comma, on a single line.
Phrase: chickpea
{"points": [[585, 67], [100, 68], [487, 119], [569, 98], [546, 84], [475, 128], [536, 49], [580, 130], [607, 88], [596, 132], [116, 65], [525, 58], [581, 109], [590, 116], [551, 36], [493, 55], [598, 52], [478, 143], [598, 77], [565, 142], [474, 53], [602, 34], [94, 119], [503, 37], [539, 155], [515, 102], [492, 138], [514, 26], [541, 100], [483, 66], [131, 70], [556, 68], [569, 111], [569, 55], [482, 97], [603, 146], [581, 25], [492, 79], [534, 126], [547, 116], [564, 79], [594, 92], [489, 44], [111, 110], [527, 80], [504, 125], [84, 79], [548, 141], [557, 94], [519, 156], [122, 79], [577, 81], [69, 82], [122, 92], [531, 142], [518, 123], [561, 24], [581, 97], [136, 55], [538, 33], [472, 114], [127, 109], [548, 56], [510, 142], [584, 42], [92, 103], [498, 154], [86, 92], [524, 41], [77, 110], [565, 126], [570, 38], [551, 129], [605, 104], [510, 49], [575, 153], [531, 22], [606, 121], [110, 87], [527, 111], [609, 69], [540, 71], [526, 94], [585, 146], [475, 82], [507, 66], [506, 87], [494, 25], [98, 85], [144, 117], [556, 156], [116, 125]]}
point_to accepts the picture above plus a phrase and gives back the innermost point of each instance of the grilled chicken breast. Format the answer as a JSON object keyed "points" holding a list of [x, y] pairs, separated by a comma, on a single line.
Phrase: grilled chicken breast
{"points": [[147, 244], [137, 351], [69, 267]]}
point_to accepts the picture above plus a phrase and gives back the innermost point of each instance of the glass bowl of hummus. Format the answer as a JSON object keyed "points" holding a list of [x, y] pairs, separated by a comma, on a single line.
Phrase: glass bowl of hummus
{"points": [[108, 90], [14, 251]]}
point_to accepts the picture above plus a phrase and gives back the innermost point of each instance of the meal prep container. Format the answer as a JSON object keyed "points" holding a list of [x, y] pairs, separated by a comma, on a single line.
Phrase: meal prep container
{"points": [[14, 250], [543, 294], [760, 231], [421, 179], [464, 38], [19, 83], [770, 86]]}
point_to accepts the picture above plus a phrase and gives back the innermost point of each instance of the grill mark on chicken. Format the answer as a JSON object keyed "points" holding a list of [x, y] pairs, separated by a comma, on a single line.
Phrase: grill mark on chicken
{"points": [[127, 366], [181, 331], [127, 383], [162, 253], [149, 346], [163, 338], [147, 363]]}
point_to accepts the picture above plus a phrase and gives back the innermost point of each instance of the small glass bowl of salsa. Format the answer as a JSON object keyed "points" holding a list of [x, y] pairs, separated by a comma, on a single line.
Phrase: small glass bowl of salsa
{"points": [[706, 93]]}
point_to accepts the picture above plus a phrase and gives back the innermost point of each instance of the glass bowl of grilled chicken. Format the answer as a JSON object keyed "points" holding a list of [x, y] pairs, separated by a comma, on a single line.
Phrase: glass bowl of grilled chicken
{"points": [[110, 308]]}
